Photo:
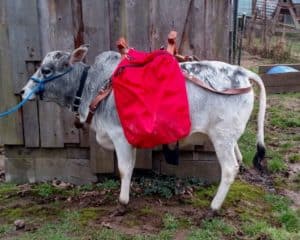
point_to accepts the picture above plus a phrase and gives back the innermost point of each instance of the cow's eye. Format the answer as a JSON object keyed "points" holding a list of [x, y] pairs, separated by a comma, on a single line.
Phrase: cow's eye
{"points": [[58, 55]]}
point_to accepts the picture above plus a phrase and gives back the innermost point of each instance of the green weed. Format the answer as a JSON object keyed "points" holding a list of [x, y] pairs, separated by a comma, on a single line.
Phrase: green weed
{"points": [[276, 163], [46, 190], [214, 229], [284, 214], [7, 188], [262, 230], [166, 186], [294, 158], [4, 229], [170, 222], [247, 145], [109, 184]]}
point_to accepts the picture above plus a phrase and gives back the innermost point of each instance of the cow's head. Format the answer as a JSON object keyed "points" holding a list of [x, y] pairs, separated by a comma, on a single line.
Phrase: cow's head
{"points": [[58, 72]]}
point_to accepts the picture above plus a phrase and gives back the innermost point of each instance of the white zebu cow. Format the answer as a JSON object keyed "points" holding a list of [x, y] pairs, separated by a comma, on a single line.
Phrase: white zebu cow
{"points": [[222, 118]]}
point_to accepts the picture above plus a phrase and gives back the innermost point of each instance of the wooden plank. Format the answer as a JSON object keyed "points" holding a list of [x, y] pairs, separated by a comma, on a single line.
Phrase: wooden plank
{"points": [[51, 128], [10, 126], [98, 37], [166, 16], [101, 160], [57, 34], [24, 59], [78, 25], [25, 46], [64, 39], [95, 17], [206, 33], [206, 170], [282, 89], [143, 159], [117, 19], [30, 117], [202, 165], [196, 142], [221, 21], [137, 24], [281, 79], [265, 68], [193, 40]]}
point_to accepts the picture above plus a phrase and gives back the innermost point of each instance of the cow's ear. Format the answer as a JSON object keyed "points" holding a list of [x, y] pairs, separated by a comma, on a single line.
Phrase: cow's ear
{"points": [[79, 54]]}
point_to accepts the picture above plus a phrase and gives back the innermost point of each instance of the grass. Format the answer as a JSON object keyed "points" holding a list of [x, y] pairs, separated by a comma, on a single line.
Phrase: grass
{"points": [[214, 229], [282, 120], [294, 158], [255, 214], [46, 190]]}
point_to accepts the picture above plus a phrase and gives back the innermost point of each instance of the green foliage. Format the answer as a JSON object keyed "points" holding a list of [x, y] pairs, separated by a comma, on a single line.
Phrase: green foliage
{"points": [[108, 234], [204, 196], [170, 222], [276, 163], [254, 228], [294, 158], [7, 188], [282, 118], [86, 215], [11, 214], [86, 187], [4, 229], [247, 144], [109, 184], [284, 214], [46, 190], [214, 229], [296, 182], [262, 230], [241, 191], [166, 186]]}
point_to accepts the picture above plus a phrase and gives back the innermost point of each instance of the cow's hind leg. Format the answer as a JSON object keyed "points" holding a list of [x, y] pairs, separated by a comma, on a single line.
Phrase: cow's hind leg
{"points": [[238, 154], [229, 167]]}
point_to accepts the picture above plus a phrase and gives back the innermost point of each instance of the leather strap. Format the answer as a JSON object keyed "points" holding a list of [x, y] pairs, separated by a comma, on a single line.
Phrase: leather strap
{"points": [[77, 99], [102, 94], [202, 84]]}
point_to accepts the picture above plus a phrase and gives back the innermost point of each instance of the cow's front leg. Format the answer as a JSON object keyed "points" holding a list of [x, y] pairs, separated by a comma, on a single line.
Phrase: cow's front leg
{"points": [[126, 155]]}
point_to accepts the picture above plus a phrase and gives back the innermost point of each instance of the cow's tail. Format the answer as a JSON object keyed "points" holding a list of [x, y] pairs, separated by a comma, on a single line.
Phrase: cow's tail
{"points": [[260, 143]]}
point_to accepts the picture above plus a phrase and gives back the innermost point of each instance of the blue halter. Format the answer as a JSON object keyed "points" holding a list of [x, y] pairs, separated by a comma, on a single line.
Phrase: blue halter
{"points": [[41, 82], [40, 88]]}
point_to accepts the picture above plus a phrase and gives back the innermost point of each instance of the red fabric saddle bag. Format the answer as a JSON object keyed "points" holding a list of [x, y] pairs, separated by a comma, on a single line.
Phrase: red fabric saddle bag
{"points": [[151, 98]]}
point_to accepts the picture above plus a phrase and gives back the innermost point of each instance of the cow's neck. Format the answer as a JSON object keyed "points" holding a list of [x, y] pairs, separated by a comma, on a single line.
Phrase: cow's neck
{"points": [[93, 84]]}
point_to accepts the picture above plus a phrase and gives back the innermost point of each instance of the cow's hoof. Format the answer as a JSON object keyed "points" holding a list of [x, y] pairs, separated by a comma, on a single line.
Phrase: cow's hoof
{"points": [[123, 200], [121, 210], [210, 214]]}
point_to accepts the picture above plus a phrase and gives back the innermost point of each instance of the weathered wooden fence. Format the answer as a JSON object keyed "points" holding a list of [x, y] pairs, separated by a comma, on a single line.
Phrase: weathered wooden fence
{"points": [[41, 141]]}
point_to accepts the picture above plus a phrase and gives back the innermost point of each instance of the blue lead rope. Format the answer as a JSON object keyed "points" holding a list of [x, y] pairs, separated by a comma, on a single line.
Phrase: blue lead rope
{"points": [[38, 89], [21, 104]]}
